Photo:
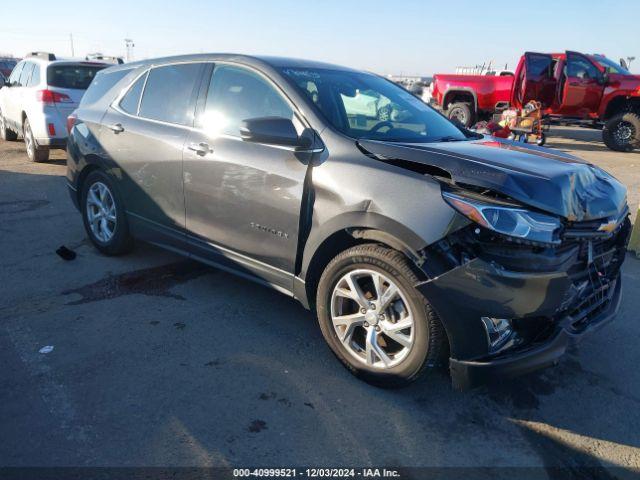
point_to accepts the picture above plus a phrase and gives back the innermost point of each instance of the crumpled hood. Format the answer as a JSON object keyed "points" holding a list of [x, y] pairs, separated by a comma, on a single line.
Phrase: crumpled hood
{"points": [[552, 181]]}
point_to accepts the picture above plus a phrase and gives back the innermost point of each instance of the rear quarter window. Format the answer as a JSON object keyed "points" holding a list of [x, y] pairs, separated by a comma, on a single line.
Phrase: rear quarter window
{"points": [[101, 84], [76, 77]]}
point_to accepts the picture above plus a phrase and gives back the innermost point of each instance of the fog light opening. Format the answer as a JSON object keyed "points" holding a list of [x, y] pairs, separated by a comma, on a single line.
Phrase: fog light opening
{"points": [[499, 332]]}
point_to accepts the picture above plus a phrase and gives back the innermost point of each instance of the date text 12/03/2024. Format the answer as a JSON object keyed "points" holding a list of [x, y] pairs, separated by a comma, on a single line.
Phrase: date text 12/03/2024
{"points": [[316, 473]]}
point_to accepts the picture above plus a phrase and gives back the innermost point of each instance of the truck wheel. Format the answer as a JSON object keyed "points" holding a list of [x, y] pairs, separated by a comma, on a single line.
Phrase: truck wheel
{"points": [[5, 133], [622, 132], [373, 318], [34, 151], [541, 140], [463, 112], [103, 215]]}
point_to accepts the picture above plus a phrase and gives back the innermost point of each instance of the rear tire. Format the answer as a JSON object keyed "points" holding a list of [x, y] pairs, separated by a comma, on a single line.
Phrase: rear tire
{"points": [[35, 152], [622, 132], [5, 133], [104, 216], [408, 350], [463, 112]]}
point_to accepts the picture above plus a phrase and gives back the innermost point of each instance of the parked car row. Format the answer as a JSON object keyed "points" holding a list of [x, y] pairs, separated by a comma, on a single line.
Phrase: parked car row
{"points": [[38, 96]]}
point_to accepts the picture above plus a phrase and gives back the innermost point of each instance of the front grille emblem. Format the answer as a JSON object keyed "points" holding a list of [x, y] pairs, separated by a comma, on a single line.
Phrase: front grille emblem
{"points": [[608, 227]]}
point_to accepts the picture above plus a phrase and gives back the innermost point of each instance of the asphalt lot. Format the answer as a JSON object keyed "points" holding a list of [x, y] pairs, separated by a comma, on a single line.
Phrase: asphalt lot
{"points": [[158, 361]]}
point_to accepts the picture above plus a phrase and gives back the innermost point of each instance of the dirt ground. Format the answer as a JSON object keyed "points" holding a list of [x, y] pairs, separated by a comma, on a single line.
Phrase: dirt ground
{"points": [[158, 361]]}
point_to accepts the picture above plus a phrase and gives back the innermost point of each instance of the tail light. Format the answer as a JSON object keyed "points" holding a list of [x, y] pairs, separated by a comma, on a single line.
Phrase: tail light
{"points": [[50, 97], [71, 121]]}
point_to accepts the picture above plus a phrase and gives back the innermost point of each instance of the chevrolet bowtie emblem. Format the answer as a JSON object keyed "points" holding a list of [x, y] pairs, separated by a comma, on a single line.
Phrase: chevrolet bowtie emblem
{"points": [[610, 226]]}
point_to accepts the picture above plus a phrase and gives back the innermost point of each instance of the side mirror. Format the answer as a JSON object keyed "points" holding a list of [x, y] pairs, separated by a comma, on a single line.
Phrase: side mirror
{"points": [[273, 131], [605, 77]]}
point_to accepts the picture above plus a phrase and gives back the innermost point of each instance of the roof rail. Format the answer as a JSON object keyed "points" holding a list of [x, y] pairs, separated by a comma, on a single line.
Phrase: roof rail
{"points": [[104, 58], [43, 55]]}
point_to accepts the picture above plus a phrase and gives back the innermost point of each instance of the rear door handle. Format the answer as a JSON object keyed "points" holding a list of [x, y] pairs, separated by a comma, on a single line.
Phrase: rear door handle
{"points": [[116, 128], [201, 148]]}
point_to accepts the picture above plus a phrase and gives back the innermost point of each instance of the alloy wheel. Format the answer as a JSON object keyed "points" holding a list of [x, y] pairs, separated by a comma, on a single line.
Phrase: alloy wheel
{"points": [[101, 212], [372, 318], [624, 133]]}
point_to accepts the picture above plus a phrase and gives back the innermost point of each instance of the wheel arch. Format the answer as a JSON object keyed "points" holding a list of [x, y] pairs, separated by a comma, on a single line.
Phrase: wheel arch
{"points": [[620, 104], [344, 232], [91, 166], [460, 94]]}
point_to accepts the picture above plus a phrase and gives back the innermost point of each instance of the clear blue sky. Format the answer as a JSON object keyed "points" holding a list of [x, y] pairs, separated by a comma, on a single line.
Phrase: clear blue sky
{"points": [[401, 36]]}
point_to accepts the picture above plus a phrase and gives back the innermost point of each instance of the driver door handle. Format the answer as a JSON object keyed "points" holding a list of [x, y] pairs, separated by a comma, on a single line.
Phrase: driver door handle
{"points": [[201, 148], [116, 128]]}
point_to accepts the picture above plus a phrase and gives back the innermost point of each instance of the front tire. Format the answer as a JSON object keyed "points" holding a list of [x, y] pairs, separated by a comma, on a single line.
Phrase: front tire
{"points": [[104, 216], [35, 152], [375, 321], [622, 132]]}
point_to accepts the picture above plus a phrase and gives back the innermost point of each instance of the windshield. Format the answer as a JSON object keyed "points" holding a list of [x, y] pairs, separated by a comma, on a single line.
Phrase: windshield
{"points": [[72, 76], [365, 106], [610, 66]]}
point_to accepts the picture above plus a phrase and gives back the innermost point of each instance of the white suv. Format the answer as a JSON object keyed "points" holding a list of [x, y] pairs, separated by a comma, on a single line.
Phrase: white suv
{"points": [[40, 94]]}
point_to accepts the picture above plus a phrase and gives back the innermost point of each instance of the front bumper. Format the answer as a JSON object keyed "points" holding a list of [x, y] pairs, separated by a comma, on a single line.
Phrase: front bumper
{"points": [[52, 142], [467, 374], [549, 310]]}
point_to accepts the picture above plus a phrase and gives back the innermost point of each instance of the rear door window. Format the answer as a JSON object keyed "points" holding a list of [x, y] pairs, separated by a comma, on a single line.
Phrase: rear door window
{"points": [[15, 74], [131, 99], [34, 79], [538, 65], [26, 73], [170, 93], [76, 77]]}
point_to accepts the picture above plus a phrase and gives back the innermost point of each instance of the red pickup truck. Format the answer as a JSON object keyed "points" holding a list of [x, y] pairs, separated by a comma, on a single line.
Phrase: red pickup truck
{"points": [[571, 86]]}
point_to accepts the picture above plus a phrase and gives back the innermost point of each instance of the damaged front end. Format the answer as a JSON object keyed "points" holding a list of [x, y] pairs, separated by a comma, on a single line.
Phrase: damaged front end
{"points": [[511, 306], [537, 267]]}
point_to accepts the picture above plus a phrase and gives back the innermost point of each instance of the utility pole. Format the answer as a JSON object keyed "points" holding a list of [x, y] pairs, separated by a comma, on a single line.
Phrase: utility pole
{"points": [[129, 44], [73, 54]]}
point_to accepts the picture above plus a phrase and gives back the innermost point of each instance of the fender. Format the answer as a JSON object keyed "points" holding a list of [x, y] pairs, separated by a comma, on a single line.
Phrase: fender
{"points": [[621, 97], [355, 223]]}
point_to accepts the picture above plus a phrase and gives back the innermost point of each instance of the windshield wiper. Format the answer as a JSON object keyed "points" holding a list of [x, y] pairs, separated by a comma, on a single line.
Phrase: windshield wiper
{"points": [[449, 138]]}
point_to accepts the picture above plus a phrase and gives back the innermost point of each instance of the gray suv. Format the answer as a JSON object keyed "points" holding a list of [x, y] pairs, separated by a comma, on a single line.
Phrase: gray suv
{"points": [[416, 241]]}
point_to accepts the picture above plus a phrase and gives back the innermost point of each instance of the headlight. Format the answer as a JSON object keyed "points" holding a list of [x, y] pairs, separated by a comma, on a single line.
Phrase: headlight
{"points": [[515, 222]]}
